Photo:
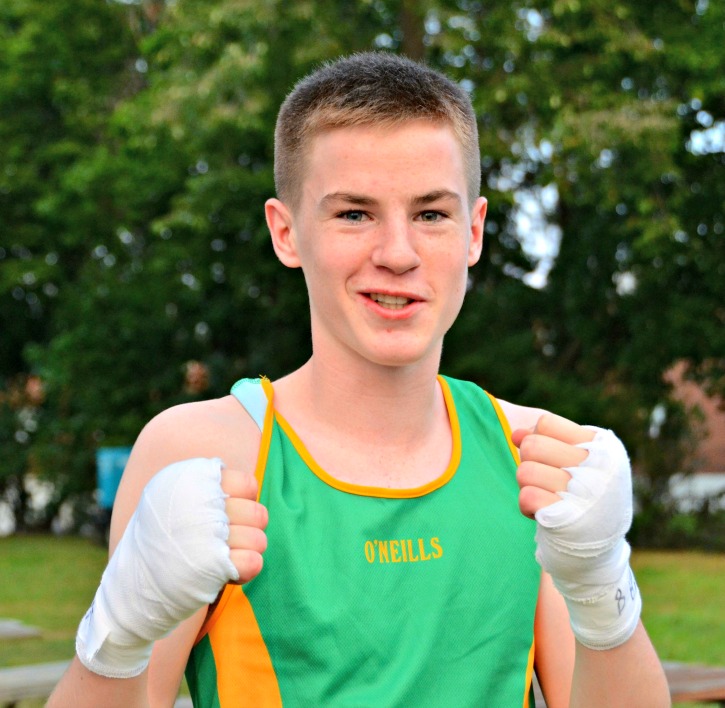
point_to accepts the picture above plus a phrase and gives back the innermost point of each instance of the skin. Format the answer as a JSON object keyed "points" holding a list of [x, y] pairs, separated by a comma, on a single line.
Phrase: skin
{"points": [[545, 449], [382, 212]]}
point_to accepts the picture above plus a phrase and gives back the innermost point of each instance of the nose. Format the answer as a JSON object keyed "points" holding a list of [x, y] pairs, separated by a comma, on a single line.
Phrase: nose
{"points": [[396, 249]]}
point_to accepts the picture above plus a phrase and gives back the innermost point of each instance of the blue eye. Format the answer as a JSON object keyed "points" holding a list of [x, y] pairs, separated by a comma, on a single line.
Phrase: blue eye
{"points": [[431, 216], [352, 215]]}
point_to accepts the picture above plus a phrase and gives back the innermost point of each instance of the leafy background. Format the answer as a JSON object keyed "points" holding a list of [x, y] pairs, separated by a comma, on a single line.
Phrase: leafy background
{"points": [[136, 152]]}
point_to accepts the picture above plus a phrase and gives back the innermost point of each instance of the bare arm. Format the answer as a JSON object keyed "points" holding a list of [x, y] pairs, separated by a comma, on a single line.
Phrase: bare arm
{"points": [[196, 430], [555, 646], [157, 687], [628, 675], [570, 673]]}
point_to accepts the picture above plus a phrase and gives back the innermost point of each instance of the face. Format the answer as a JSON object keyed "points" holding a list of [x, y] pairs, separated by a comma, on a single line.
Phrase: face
{"points": [[384, 235]]}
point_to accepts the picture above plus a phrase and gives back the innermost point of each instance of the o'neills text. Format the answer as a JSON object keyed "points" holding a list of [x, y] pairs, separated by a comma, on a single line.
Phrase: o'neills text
{"points": [[404, 550]]}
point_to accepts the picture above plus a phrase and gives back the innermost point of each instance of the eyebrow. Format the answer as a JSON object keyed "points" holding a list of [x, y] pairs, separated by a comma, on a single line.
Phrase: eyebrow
{"points": [[348, 198], [361, 200], [435, 196]]}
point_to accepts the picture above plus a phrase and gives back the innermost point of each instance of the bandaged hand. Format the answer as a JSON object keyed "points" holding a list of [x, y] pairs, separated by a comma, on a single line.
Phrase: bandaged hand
{"points": [[197, 527], [576, 482]]}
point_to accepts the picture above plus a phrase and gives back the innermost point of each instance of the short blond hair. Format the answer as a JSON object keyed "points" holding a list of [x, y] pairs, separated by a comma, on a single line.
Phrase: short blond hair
{"points": [[368, 89]]}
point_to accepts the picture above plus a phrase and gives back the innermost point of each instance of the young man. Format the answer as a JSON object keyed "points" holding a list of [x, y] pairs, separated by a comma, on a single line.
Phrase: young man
{"points": [[397, 533]]}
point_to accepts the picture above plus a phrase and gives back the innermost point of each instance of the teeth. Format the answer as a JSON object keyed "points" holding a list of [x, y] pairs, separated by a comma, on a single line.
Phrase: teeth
{"points": [[394, 302]]}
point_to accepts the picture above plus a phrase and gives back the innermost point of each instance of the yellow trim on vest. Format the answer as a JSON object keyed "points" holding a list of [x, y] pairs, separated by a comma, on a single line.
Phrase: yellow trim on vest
{"points": [[218, 607], [243, 666], [529, 673], [506, 427], [263, 453], [369, 491], [216, 612], [503, 420]]}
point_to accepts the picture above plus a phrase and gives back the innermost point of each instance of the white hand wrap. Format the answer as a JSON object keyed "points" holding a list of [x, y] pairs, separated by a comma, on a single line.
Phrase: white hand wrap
{"points": [[580, 543], [172, 560]]}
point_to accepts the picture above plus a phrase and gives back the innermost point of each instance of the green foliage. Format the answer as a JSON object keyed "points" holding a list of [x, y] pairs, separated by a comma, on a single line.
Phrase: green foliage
{"points": [[137, 154], [18, 423], [62, 67]]}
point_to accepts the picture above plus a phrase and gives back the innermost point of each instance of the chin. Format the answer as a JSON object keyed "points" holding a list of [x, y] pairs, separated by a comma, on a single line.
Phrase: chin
{"points": [[398, 357]]}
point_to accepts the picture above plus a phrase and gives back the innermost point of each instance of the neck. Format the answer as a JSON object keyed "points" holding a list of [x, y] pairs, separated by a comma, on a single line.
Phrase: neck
{"points": [[384, 404]]}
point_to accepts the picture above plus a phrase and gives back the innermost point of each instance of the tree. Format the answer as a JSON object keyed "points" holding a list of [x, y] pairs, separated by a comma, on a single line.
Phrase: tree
{"points": [[61, 67], [177, 264], [145, 229]]}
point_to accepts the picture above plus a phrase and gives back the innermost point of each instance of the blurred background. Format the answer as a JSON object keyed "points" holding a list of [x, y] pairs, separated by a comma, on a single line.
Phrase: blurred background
{"points": [[136, 271]]}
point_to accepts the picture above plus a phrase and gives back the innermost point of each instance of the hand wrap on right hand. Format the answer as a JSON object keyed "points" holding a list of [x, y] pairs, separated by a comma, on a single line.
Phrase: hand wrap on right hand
{"points": [[581, 544], [172, 560]]}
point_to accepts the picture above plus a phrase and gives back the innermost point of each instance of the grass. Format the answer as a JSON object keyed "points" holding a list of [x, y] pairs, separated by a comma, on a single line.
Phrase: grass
{"points": [[49, 583], [683, 608]]}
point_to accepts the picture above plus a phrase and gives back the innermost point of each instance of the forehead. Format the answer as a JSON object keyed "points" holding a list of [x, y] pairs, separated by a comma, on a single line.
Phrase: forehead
{"points": [[417, 156]]}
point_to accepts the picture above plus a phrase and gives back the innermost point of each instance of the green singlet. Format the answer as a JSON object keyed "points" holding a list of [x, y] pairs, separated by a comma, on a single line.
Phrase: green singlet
{"points": [[374, 597]]}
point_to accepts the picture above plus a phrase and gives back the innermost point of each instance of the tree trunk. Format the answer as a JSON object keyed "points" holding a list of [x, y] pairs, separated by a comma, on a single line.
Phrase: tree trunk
{"points": [[413, 29]]}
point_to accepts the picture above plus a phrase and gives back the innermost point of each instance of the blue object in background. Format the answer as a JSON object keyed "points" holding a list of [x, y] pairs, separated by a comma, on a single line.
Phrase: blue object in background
{"points": [[110, 463]]}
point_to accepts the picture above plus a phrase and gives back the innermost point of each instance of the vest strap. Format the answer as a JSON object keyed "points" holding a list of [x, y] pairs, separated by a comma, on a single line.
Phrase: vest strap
{"points": [[251, 395]]}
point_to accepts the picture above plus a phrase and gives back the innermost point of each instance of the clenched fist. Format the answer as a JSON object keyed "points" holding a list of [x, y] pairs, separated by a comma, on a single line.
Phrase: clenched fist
{"points": [[546, 452], [247, 521]]}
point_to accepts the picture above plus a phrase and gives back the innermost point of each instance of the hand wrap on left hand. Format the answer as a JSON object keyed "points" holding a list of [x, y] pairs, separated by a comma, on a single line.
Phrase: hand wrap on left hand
{"points": [[581, 544], [172, 560]]}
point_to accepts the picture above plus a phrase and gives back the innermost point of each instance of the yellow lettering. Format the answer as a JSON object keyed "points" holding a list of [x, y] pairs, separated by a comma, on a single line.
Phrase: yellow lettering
{"points": [[436, 545], [402, 550]]}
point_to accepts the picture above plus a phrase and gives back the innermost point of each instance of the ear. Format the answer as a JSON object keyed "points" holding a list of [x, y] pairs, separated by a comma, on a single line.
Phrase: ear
{"points": [[282, 231], [478, 219]]}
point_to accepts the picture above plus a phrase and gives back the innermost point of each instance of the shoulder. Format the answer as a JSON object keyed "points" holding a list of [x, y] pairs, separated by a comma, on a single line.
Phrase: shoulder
{"points": [[520, 416], [214, 428], [516, 415], [191, 425]]}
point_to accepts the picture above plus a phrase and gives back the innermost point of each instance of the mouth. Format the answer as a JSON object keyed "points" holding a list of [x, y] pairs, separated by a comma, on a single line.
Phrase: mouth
{"points": [[390, 302]]}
